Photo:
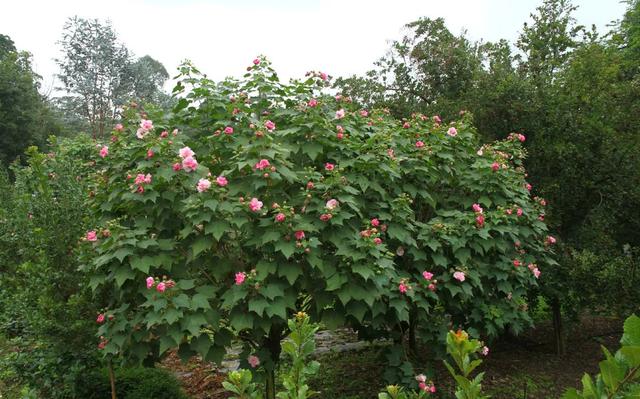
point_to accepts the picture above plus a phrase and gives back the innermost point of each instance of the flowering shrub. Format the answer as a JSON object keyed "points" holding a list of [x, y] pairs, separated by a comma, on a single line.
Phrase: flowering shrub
{"points": [[251, 200]]}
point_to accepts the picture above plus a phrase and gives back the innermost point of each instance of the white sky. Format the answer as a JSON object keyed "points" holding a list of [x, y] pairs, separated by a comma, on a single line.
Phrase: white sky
{"points": [[340, 37]]}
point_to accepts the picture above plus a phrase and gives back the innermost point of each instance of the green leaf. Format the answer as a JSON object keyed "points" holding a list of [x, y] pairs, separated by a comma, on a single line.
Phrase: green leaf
{"points": [[631, 336], [258, 305], [200, 245], [200, 301], [166, 342], [286, 247], [312, 149], [122, 274], [171, 315], [631, 355], [240, 320], [217, 228], [193, 323], [142, 263], [290, 271], [122, 253]]}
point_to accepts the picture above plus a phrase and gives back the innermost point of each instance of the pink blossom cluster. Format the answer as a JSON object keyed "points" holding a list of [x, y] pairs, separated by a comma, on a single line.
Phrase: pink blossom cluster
{"points": [[140, 180], [460, 276], [189, 161], [145, 127], [262, 164], [423, 385], [255, 205], [104, 151], [161, 286], [429, 277], [240, 277], [534, 269]]}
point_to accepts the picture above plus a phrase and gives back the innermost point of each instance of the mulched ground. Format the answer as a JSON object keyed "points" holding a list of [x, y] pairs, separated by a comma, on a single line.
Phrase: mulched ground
{"points": [[522, 367]]}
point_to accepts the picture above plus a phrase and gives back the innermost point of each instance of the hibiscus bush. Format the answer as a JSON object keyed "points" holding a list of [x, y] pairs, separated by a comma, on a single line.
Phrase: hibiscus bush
{"points": [[255, 198]]}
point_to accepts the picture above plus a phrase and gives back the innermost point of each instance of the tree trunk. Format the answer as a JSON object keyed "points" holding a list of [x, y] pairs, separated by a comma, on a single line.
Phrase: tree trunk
{"points": [[112, 380], [413, 325], [557, 326], [272, 342]]}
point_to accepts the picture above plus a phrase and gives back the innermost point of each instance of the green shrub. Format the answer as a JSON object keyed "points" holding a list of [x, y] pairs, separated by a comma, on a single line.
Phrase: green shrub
{"points": [[132, 383]]}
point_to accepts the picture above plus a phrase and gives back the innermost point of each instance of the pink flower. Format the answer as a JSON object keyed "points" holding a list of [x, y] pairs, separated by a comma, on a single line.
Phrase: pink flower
{"points": [[161, 287], [508, 211], [551, 240], [437, 119], [406, 125], [150, 153], [339, 129], [421, 378], [402, 288], [146, 124], [104, 151], [325, 217], [477, 208], [323, 76], [480, 220], [521, 137], [331, 204], [147, 178], [312, 103], [375, 222], [452, 132], [427, 275], [203, 185], [139, 178], [419, 144], [177, 166], [536, 272], [485, 351], [340, 113], [100, 318], [92, 236], [432, 287], [256, 61], [299, 235], [422, 386], [119, 127], [262, 164], [543, 202], [495, 166], [459, 276], [516, 263], [339, 136], [270, 126], [364, 113], [541, 218], [528, 187], [150, 282], [280, 217], [189, 164], [164, 134], [377, 240], [222, 181], [519, 212], [310, 185], [228, 130], [254, 361], [329, 166], [240, 277], [255, 205], [186, 152], [140, 133]]}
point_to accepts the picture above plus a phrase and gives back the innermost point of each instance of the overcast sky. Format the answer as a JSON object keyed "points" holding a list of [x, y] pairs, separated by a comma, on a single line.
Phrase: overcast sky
{"points": [[341, 37]]}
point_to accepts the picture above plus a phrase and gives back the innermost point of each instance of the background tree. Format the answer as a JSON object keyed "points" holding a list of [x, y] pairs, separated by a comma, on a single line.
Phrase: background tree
{"points": [[99, 75]]}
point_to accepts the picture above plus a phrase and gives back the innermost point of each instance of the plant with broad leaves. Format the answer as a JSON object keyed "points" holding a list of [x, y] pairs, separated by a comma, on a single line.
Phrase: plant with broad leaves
{"points": [[461, 349], [619, 374], [256, 198], [240, 383]]}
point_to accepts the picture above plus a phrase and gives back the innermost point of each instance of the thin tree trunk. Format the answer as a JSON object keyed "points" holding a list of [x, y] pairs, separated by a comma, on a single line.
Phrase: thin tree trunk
{"points": [[557, 326], [112, 380], [272, 342]]}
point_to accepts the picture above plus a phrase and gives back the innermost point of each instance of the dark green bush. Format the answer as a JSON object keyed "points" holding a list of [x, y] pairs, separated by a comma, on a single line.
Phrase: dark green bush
{"points": [[132, 383]]}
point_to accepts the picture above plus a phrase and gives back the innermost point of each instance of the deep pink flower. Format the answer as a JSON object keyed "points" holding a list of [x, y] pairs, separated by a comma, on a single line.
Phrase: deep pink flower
{"points": [[280, 217], [161, 287], [495, 166], [186, 152], [312, 103], [104, 151], [262, 164], [551, 240], [516, 263], [100, 318], [480, 220], [477, 208], [255, 205], [164, 134], [228, 130], [375, 222], [422, 386], [222, 181], [323, 76], [270, 126], [189, 164], [541, 218], [203, 185], [419, 144], [452, 131], [521, 137], [299, 235], [177, 166], [427, 275], [310, 185], [150, 282], [150, 153], [256, 61], [528, 186], [325, 217], [92, 236], [329, 166], [240, 277], [331, 204], [437, 119], [402, 288], [254, 361], [377, 240], [519, 212], [460, 276], [339, 129]]}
